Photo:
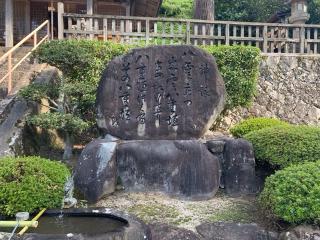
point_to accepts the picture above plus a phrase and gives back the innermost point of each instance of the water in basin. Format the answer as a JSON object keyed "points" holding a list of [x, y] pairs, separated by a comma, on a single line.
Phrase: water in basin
{"points": [[64, 224]]}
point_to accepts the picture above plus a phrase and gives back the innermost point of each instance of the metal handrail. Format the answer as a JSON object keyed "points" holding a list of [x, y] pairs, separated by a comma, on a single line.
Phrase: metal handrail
{"points": [[8, 55]]}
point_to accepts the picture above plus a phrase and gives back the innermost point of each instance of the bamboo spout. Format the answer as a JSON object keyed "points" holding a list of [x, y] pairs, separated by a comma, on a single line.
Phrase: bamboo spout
{"points": [[6, 224]]}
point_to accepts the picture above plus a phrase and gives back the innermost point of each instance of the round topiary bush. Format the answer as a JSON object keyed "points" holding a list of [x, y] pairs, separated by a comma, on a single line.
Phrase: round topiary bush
{"points": [[293, 194], [254, 124], [30, 183], [281, 146]]}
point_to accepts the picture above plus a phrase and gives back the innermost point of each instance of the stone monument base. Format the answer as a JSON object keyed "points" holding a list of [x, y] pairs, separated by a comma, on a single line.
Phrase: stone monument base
{"points": [[188, 169]]}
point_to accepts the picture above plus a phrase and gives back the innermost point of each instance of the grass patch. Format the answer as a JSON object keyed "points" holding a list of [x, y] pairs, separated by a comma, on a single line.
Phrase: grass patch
{"points": [[235, 213]]}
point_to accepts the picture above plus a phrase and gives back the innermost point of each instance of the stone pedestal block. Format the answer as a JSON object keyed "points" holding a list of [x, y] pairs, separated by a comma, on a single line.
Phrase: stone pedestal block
{"points": [[179, 168], [95, 174], [238, 167]]}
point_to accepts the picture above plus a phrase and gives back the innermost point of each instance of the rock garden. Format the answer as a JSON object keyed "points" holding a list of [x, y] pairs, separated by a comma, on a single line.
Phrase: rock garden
{"points": [[125, 142]]}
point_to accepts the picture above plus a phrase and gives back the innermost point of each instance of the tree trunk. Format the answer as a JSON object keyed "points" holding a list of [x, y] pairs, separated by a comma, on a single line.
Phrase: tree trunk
{"points": [[68, 147], [204, 9]]}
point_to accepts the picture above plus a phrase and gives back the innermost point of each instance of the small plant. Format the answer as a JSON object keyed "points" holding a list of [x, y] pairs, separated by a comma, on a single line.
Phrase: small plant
{"points": [[30, 183], [281, 146], [293, 194], [254, 124]]}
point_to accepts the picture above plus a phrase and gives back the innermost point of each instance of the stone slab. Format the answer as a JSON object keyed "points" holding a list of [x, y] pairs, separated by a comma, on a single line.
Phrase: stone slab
{"points": [[182, 168], [95, 173], [234, 231], [160, 92]]}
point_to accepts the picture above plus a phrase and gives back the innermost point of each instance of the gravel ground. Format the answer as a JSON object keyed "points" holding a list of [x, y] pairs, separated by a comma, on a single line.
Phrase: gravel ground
{"points": [[157, 207]]}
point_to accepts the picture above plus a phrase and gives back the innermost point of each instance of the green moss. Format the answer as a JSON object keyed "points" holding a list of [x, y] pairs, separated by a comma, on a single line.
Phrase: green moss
{"points": [[155, 212], [234, 213]]}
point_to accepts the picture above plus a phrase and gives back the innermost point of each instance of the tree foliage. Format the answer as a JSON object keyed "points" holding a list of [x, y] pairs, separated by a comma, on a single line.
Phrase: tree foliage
{"points": [[70, 97], [238, 10]]}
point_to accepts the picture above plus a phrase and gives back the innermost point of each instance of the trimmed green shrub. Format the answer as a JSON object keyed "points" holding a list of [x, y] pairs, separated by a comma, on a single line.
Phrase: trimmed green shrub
{"points": [[254, 124], [281, 146], [293, 194], [30, 183], [239, 67]]}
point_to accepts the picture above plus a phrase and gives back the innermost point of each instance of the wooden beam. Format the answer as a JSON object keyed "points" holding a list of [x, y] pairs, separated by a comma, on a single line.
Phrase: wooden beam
{"points": [[60, 20], [90, 12], [89, 7], [9, 23], [27, 22]]}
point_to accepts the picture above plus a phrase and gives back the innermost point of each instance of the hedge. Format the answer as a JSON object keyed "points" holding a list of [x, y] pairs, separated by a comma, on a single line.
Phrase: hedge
{"points": [[293, 194], [281, 146], [254, 124], [239, 67], [30, 183]]}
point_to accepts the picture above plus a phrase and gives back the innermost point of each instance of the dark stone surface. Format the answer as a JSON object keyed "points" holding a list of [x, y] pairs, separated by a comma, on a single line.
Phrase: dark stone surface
{"points": [[180, 168], [215, 146], [160, 92], [234, 231], [95, 173], [161, 231], [238, 170], [304, 232], [135, 229]]}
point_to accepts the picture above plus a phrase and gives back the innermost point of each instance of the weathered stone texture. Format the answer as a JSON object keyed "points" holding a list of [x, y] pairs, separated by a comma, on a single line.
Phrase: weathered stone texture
{"points": [[182, 168], [234, 231], [163, 92], [289, 89], [95, 173]]}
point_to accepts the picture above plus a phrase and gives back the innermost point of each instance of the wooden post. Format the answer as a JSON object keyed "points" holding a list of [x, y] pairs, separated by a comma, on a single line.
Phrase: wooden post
{"points": [[147, 31], [90, 12], [188, 33], [9, 23], [27, 18], [302, 39], [60, 20], [9, 73], [228, 34], [35, 40], [51, 20], [265, 39]]}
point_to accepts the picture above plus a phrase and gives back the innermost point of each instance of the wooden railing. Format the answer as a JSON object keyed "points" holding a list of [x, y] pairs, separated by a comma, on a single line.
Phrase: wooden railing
{"points": [[38, 36], [270, 38]]}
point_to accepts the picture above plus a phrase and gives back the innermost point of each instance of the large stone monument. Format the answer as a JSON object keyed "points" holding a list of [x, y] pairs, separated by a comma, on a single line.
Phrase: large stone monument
{"points": [[154, 104]]}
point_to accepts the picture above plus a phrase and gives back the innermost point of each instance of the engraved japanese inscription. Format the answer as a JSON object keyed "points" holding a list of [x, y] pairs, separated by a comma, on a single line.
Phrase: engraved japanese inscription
{"points": [[160, 92]]}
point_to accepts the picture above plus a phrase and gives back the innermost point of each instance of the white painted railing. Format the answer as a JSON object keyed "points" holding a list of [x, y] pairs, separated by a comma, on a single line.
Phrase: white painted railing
{"points": [[7, 58]]}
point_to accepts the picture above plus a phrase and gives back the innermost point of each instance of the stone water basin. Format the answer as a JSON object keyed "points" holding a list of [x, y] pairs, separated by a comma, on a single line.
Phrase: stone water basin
{"points": [[87, 224]]}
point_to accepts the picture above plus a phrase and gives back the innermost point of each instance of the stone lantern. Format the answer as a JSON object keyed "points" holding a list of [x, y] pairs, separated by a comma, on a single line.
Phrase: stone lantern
{"points": [[299, 12]]}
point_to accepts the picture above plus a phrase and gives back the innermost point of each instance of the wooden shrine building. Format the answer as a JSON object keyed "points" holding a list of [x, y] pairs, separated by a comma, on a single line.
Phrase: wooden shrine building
{"points": [[20, 17]]}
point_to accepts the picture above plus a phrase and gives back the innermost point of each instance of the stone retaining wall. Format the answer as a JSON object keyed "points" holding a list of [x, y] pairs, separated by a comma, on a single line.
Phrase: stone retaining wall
{"points": [[288, 88]]}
